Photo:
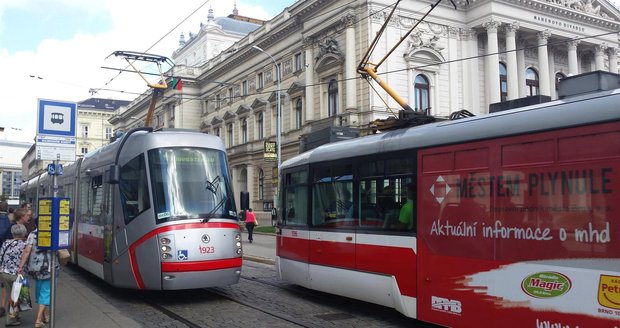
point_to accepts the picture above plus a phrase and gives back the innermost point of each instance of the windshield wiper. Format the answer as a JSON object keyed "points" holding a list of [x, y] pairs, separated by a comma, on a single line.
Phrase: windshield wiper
{"points": [[214, 185], [215, 209]]}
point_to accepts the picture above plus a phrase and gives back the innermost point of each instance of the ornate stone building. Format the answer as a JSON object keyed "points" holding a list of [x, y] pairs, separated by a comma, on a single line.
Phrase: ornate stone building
{"points": [[484, 52]]}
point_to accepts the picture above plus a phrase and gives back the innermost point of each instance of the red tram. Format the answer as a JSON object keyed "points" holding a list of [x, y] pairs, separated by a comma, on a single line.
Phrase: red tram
{"points": [[511, 220]]}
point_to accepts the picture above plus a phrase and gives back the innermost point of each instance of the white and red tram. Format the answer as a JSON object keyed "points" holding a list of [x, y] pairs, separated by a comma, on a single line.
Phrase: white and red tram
{"points": [[513, 222], [153, 210]]}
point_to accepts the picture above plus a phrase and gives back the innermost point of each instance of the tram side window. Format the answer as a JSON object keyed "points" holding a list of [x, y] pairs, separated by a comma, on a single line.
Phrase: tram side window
{"points": [[387, 195], [296, 198], [84, 207], [332, 197], [134, 188], [96, 198]]}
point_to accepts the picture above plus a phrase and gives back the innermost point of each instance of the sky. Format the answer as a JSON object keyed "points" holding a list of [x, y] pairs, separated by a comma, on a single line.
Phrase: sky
{"points": [[54, 49]]}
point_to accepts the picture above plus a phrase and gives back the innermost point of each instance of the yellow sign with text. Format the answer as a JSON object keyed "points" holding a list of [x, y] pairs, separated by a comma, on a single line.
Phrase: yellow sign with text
{"points": [[44, 239], [64, 207], [45, 223], [64, 223], [45, 207], [609, 292]]}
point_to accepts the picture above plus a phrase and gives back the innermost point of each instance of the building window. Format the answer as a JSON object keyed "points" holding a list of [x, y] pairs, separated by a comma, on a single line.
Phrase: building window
{"points": [[216, 131], [218, 100], [84, 150], [279, 72], [108, 133], [230, 95], [558, 77], [260, 81], [172, 112], [503, 82], [244, 130], [531, 81], [84, 131], [421, 89], [298, 113], [298, 62], [229, 129], [206, 108], [244, 88], [260, 125], [261, 184], [332, 97]]}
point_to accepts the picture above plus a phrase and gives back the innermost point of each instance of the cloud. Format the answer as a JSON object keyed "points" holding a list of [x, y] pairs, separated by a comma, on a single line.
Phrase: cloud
{"points": [[67, 69]]}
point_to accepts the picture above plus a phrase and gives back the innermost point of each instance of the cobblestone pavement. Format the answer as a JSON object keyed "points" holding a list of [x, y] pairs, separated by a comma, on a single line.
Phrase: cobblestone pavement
{"points": [[252, 302]]}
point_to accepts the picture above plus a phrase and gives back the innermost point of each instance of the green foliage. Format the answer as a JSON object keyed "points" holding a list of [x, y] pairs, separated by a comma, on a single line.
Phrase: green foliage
{"points": [[267, 229], [3, 198]]}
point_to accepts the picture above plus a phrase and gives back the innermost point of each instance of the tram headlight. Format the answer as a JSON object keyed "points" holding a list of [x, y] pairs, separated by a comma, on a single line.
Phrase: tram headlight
{"points": [[238, 237], [165, 256], [165, 241], [239, 251], [166, 249], [238, 244]]}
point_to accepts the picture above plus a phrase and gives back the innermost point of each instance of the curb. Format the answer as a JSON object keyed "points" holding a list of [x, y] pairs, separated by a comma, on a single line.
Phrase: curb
{"points": [[259, 259]]}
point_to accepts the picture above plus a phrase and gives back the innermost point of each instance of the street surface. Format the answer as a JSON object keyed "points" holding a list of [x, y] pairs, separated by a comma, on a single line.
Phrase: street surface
{"points": [[260, 299]]}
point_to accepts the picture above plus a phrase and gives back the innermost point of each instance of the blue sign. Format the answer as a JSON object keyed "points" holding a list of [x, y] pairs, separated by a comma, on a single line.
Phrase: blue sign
{"points": [[53, 223], [59, 169], [57, 118], [182, 255], [51, 169]]}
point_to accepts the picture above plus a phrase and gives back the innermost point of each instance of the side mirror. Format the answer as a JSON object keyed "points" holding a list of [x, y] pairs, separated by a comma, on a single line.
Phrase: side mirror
{"points": [[115, 174], [244, 200]]}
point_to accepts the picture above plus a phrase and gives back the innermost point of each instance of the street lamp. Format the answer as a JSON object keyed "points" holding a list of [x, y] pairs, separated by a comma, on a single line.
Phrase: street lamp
{"points": [[279, 114]]}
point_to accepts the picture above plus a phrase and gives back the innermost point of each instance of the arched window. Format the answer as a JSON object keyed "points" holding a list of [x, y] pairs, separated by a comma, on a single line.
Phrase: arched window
{"points": [[421, 89], [298, 113], [558, 76], [244, 130], [531, 81], [332, 97], [261, 184], [260, 125], [503, 81]]}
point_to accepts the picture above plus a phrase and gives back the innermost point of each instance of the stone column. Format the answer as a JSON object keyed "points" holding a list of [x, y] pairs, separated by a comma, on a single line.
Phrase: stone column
{"points": [[453, 85], [573, 63], [350, 69], [492, 62], [236, 173], [474, 72], [599, 56], [309, 81], [511, 61], [613, 60], [250, 169], [543, 63], [521, 68], [551, 76]]}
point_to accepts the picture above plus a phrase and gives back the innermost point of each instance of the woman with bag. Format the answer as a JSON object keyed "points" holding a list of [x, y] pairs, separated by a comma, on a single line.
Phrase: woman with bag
{"points": [[250, 223], [39, 268], [10, 256]]}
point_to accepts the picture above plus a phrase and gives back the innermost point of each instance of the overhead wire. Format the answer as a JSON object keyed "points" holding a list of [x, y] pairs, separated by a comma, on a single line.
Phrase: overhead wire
{"points": [[158, 41]]}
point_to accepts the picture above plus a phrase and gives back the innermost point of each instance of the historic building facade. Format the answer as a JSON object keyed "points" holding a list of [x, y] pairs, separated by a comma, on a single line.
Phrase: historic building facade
{"points": [[484, 52]]}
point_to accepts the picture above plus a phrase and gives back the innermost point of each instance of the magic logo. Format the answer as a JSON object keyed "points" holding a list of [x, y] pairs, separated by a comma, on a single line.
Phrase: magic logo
{"points": [[609, 292]]}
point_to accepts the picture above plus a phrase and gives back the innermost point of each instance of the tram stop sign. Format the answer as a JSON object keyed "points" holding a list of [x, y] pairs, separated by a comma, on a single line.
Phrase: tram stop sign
{"points": [[53, 223]]}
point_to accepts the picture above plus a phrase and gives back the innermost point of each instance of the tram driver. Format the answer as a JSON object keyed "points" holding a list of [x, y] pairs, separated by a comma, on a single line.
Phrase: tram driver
{"points": [[406, 219]]}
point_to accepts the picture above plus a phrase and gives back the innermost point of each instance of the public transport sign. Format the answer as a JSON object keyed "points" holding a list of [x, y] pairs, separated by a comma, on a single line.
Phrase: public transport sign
{"points": [[56, 118], [53, 228]]}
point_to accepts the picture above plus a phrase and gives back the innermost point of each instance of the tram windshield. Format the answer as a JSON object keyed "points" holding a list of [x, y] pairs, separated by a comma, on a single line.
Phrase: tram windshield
{"points": [[190, 183]]}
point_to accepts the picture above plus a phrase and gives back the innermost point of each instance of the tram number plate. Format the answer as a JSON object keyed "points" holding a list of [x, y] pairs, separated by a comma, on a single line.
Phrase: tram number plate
{"points": [[206, 249]]}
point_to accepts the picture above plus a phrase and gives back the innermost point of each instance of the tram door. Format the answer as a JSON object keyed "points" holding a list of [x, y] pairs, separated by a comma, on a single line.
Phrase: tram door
{"points": [[332, 234], [107, 219]]}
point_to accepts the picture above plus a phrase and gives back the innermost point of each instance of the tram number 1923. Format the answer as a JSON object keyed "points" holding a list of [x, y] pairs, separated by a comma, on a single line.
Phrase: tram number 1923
{"points": [[206, 249]]}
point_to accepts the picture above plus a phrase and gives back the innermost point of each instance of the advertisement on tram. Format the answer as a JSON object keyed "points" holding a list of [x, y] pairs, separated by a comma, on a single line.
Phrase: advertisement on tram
{"points": [[521, 231]]}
